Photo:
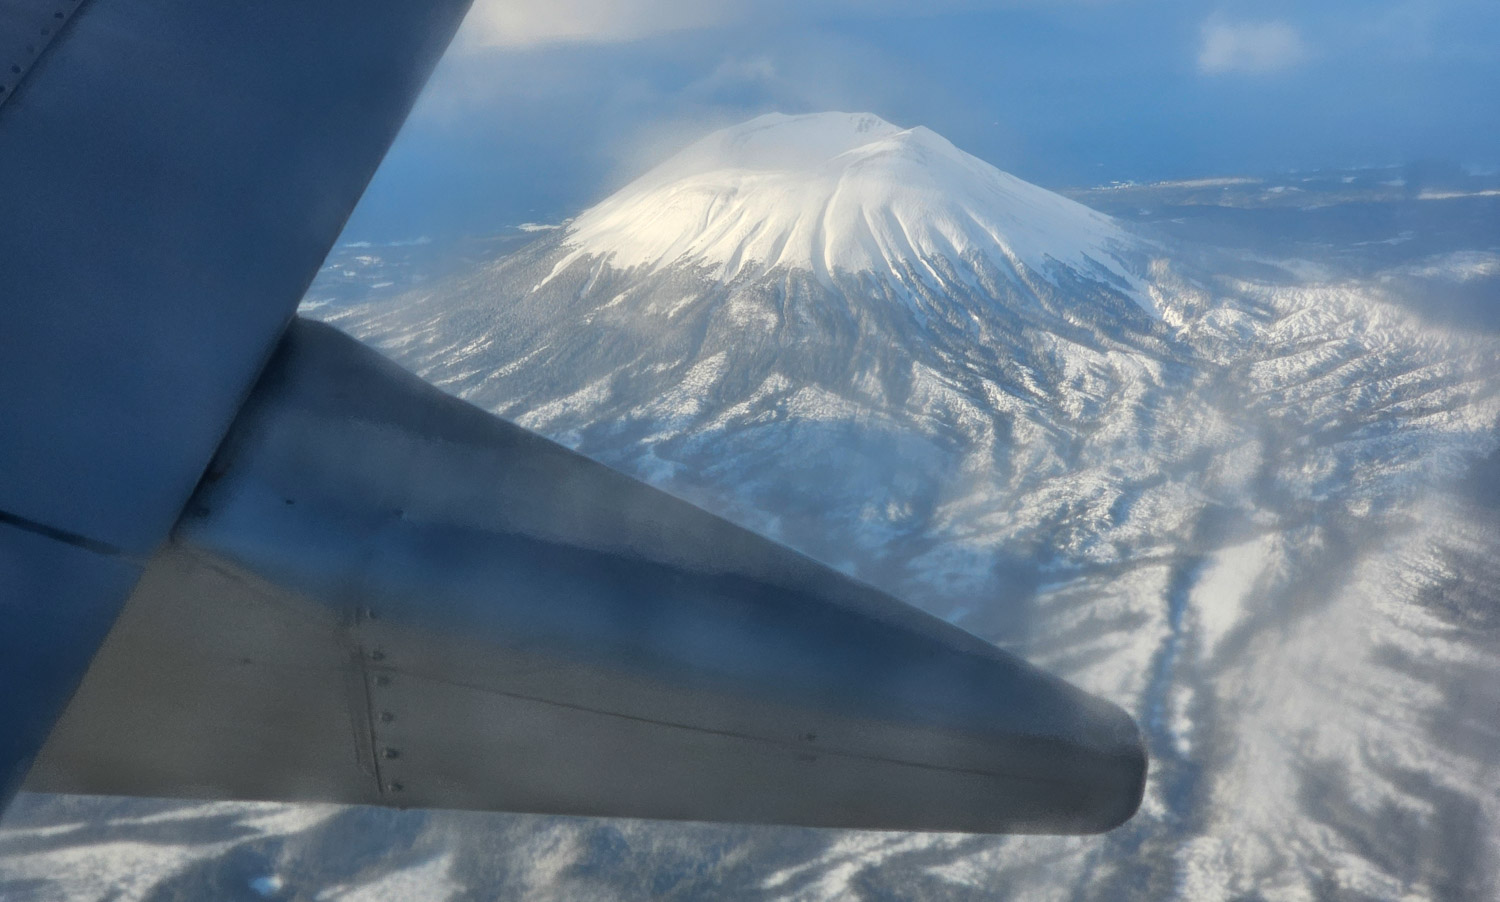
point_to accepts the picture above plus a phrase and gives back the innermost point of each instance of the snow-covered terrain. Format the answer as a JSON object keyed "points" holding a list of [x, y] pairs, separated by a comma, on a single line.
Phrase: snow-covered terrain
{"points": [[1251, 501]]}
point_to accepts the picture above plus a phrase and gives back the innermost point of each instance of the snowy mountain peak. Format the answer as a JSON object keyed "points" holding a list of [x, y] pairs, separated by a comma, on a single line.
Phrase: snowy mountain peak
{"points": [[843, 192]]}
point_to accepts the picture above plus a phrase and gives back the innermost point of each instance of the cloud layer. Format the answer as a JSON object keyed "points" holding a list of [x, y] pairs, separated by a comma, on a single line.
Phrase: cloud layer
{"points": [[1252, 47], [525, 23], [521, 23]]}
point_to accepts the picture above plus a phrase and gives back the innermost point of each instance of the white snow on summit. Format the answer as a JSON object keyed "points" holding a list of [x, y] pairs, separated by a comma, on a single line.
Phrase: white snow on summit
{"points": [[842, 192]]}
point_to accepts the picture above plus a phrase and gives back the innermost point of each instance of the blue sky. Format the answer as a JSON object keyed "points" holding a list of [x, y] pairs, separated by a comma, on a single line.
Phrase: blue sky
{"points": [[543, 106]]}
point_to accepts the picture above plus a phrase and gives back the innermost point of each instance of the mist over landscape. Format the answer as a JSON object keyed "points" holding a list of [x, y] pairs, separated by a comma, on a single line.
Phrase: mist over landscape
{"points": [[1216, 444]]}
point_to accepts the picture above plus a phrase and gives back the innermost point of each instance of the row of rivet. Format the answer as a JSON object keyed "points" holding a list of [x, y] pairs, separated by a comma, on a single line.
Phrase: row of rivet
{"points": [[383, 680]]}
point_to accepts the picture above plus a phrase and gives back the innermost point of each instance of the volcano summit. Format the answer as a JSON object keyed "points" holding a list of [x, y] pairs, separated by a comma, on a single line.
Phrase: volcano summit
{"points": [[840, 193]]}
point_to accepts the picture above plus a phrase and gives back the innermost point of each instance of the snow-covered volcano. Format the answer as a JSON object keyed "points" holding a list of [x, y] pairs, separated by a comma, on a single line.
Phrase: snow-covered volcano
{"points": [[844, 193], [782, 280]]}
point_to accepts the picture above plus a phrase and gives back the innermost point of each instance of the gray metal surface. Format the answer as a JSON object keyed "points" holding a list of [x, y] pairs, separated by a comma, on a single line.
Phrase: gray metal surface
{"points": [[382, 594], [210, 680], [172, 173]]}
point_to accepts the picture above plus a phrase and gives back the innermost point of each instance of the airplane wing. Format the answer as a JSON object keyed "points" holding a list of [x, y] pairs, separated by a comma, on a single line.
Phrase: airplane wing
{"points": [[244, 557]]}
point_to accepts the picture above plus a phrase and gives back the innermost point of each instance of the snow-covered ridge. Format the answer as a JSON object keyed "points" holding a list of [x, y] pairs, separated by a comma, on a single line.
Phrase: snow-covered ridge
{"points": [[841, 192]]}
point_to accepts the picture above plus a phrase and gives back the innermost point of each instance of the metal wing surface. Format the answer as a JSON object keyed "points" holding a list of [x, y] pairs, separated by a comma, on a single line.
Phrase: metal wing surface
{"points": [[383, 595]]}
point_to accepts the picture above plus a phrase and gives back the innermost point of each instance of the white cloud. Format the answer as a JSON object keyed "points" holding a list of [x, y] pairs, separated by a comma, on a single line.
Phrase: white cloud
{"points": [[1249, 47], [523, 23], [519, 23]]}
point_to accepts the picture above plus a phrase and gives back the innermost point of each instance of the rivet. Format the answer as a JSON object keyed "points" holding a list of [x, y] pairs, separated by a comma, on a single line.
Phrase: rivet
{"points": [[396, 787]]}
